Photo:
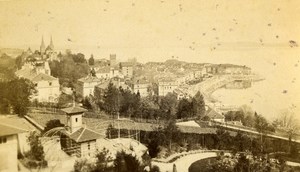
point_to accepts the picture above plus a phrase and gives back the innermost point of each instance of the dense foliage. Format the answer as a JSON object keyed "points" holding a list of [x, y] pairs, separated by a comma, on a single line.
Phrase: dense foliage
{"points": [[53, 124], [7, 67], [15, 95], [115, 100], [71, 68]]}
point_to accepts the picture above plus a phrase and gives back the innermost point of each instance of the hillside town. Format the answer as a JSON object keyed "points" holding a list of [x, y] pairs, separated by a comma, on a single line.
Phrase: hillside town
{"points": [[61, 107], [149, 86]]}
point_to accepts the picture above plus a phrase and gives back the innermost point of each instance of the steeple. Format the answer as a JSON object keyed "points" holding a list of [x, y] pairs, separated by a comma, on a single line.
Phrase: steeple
{"points": [[42, 47], [51, 44]]}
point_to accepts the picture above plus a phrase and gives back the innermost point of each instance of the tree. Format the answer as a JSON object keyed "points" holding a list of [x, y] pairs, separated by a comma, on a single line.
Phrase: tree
{"points": [[288, 122], [20, 92], [261, 126], [112, 99], [127, 163], [91, 60], [82, 165], [184, 109], [198, 105], [102, 161], [168, 105], [53, 124], [172, 132], [36, 148], [154, 140], [223, 139], [79, 58]]}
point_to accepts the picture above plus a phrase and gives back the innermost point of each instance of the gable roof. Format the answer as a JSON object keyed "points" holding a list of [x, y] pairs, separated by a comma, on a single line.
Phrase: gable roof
{"points": [[74, 110], [84, 134], [212, 114], [16, 122], [90, 78], [6, 130], [43, 77]]}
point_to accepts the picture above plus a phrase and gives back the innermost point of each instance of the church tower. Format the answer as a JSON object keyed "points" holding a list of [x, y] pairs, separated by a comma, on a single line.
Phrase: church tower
{"points": [[51, 44], [42, 47]]}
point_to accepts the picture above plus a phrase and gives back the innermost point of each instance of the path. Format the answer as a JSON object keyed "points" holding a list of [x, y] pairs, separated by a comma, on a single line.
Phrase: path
{"points": [[183, 163]]}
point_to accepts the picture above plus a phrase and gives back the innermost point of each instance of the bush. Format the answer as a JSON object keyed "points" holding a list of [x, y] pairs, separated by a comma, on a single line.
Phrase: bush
{"points": [[155, 169], [33, 164], [82, 165], [36, 149]]}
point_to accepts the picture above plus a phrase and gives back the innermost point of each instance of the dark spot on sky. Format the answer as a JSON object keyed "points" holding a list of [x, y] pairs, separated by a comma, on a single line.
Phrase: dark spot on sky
{"points": [[284, 91]]}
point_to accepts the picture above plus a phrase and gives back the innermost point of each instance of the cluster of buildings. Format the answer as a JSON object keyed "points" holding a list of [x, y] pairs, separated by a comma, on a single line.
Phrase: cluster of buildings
{"points": [[36, 69], [120, 74]]}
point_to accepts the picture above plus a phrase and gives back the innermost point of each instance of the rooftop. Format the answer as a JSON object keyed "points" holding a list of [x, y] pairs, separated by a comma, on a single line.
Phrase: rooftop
{"points": [[126, 64], [85, 134], [212, 114], [90, 78], [6, 130], [74, 110], [43, 77]]}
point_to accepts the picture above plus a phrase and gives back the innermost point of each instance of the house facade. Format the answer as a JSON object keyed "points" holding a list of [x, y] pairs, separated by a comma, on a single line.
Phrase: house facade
{"points": [[87, 85], [166, 85], [127, 69], [9, 148], [46, 85], [141, 86]]}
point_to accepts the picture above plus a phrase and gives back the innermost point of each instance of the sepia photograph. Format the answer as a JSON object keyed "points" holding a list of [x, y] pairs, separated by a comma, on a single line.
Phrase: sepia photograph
{"points": [[149, 86]]}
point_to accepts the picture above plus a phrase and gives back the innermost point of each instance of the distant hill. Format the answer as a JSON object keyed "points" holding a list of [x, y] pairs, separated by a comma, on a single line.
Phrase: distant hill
{"points": [[13, 52]]}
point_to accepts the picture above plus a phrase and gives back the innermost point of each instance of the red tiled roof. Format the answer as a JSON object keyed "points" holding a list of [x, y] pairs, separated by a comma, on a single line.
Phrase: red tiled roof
{"points": [[74, 110], [85, 134], [6, 130]]}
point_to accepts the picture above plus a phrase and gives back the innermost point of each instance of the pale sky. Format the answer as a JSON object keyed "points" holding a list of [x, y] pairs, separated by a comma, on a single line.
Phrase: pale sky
{"points": [[155, 29], [249, 32]]}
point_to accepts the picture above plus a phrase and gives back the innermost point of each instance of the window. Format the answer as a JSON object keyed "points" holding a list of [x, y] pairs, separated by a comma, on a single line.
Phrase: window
{"points": [[76, 119], [89, 146], [2, 140], [50, 83]]}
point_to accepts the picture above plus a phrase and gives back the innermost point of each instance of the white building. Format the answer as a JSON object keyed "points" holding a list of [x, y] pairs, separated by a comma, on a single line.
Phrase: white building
{"points": [[166, 85], [46, 85], [9, 148], [103, 73], [141, 86], [87, 85], [127, 69]]}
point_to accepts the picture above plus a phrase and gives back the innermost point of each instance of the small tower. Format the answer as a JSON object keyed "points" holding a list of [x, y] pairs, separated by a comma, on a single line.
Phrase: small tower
{"points": [[42, 47], [74, 118], [51, 44]]}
